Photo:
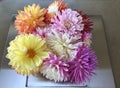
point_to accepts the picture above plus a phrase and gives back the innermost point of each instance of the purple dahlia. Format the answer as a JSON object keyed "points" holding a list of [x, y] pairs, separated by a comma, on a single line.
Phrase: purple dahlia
{"points": [[83, 65]]}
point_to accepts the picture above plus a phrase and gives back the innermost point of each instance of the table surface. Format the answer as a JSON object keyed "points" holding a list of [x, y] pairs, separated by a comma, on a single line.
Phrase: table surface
{"points": [[103, 79]]}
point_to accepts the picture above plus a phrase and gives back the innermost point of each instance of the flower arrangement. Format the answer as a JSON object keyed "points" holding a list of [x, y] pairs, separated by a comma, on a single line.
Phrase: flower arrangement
{"points": [[53, 41]]}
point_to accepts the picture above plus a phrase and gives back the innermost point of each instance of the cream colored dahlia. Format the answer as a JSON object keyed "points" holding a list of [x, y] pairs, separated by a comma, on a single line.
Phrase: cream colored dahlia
{"points": [[63, 44], [29, 19], [26, 53]]}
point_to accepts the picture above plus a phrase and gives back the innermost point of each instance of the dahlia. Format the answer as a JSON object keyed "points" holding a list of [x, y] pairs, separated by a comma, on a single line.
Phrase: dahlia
{"points": [[63, 44], [54, 7], [83, 65], [68, 20], [54, 68], [29, 19], [86, 21], [26, 53]]}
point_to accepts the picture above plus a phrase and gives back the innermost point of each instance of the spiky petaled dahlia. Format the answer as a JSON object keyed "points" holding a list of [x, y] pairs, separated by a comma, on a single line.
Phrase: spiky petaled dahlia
{"points": [[29, 19], [83, 65], [54, 68], [63, 43], [26, 53], [68, 20], [54, 7]]}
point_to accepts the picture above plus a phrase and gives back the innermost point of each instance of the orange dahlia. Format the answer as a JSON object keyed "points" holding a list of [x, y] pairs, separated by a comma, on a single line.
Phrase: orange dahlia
{"points": [[57, 5], [29, 19]]}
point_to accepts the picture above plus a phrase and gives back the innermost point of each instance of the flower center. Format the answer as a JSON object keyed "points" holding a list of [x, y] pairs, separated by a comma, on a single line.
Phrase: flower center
{"points": [[31, 53], [67, 24]]}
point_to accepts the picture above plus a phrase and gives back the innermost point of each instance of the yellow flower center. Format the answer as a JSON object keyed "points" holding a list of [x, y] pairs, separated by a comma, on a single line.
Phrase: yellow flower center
{"points": [[31, 53]]}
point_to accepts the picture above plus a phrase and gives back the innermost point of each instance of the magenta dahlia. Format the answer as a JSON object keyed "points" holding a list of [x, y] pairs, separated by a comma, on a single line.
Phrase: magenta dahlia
{"points": [[68, 21], [83, 65]]}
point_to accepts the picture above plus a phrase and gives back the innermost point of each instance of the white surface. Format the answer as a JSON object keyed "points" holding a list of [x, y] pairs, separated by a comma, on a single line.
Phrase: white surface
{"points": [[10, 79], [104, 77], [42, 82]]}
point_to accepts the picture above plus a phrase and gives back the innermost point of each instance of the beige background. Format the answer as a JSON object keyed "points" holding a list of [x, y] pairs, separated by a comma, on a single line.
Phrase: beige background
{"points": [[108, 9]]}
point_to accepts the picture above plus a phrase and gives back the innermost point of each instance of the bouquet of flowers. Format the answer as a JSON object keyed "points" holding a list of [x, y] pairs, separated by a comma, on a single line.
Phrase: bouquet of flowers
{"points": [[53, 41]]}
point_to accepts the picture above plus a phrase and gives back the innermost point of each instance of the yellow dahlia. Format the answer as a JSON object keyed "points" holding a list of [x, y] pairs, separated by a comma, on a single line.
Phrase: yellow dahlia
{"points": [[54, 7], [29, 19], [26, 53]]}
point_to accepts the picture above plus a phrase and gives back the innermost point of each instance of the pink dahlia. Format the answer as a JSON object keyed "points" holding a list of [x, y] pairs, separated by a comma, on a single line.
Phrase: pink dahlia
{"points": [[54, 68], [68, 20], [83, 65]]}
